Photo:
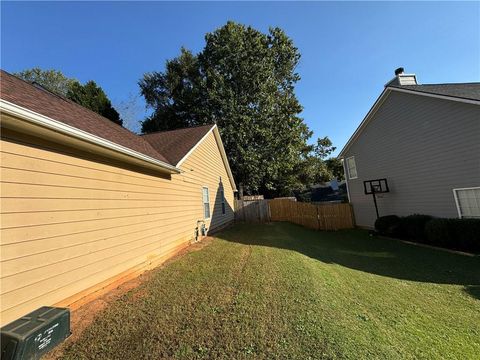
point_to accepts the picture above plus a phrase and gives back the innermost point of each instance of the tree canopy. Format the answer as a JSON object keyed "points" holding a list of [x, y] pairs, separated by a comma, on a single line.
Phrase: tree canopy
{"points": [[52, 80], [94, 98], [244, 81], [89, 95]]}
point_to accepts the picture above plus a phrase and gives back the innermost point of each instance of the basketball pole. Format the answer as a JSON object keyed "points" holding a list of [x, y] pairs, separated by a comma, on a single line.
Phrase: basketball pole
{"points": [[375, 201]]}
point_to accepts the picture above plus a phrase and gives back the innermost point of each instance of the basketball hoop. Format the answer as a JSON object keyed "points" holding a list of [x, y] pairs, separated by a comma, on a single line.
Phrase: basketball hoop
{"points": [[377, 186]]}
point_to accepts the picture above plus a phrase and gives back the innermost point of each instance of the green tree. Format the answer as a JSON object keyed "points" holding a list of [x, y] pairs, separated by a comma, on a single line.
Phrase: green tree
{"points": [[177, 96], [244, 81], [89, 95], [94, 98], [52, 80], [335, 167], [324, 147]]}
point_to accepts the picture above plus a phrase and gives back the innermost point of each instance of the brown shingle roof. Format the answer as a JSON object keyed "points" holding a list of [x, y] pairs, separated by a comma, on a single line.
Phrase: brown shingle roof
{"points": [[469, 91], [21, 93], [175, 144]]}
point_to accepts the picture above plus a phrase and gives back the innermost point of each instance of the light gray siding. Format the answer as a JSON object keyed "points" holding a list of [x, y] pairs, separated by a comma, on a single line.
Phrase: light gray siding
{"points": [[425, 147]]}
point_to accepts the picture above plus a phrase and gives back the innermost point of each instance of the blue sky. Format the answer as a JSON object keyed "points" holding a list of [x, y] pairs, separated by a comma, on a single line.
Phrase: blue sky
{"points": [[349, 50]]}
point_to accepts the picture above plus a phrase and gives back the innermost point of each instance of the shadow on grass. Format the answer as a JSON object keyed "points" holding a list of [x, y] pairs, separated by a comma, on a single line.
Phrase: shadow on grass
{"points": [[355, 249]]}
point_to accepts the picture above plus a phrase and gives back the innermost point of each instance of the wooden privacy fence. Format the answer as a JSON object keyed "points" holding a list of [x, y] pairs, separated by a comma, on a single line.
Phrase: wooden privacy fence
{"points": [[318, 217], [252, 211]]}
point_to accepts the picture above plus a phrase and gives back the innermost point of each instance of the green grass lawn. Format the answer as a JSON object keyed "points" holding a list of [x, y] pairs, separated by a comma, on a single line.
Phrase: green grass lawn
{"points": [[279, 291]]}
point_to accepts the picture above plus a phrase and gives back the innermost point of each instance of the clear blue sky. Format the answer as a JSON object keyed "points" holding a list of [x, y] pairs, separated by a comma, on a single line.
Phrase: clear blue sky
{"points": [[349, 50]]}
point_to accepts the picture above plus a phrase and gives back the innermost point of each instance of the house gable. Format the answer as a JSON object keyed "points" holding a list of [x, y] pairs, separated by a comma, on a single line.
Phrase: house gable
{"points": [[385, 94], [424, 151]]}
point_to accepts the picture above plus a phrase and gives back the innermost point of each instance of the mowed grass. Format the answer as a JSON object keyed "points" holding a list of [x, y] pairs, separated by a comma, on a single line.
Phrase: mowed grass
{"points": [[279, 291]]}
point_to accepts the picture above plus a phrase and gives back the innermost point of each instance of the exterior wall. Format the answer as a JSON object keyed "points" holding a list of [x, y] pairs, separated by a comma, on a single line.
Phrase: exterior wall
{"points": [[425, 147], [69, 223]]}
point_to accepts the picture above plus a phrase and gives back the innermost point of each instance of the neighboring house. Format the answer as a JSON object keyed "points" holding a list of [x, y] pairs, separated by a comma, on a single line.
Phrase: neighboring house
{"points": [[334, 184], [425, 140], [331, 191], [87, 204]]}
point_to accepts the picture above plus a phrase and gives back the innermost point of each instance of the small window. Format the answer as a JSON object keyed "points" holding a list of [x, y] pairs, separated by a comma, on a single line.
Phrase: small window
{"points": [[352, 168], [468, 202], [206, 203], [223, 201]]}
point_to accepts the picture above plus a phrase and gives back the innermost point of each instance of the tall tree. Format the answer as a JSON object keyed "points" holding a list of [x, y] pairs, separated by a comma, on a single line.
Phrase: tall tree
{"points": [[244, 81], [94, 98], [52, 80], [177, 95], [335, 167], [89, 95]]}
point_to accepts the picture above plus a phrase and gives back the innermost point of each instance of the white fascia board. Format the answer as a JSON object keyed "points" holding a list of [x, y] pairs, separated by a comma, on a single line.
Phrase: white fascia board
{"points": [[224, 157], [218, 138], [60, 127]]}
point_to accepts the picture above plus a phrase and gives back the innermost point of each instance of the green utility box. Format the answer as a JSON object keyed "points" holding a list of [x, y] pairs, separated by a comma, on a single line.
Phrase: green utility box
{"points": [[34, 334]]}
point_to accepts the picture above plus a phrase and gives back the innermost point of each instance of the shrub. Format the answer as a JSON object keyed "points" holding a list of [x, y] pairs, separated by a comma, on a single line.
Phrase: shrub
{"points": [[387, 225], [458, 234], [412, 227]]}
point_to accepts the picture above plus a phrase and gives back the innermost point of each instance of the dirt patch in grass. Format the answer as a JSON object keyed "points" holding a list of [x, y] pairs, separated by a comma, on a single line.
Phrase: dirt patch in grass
{"points": [[82, 317]]}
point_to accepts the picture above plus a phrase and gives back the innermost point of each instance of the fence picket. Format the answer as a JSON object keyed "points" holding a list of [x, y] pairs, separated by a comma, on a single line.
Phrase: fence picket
{"points": [[318, 217]]}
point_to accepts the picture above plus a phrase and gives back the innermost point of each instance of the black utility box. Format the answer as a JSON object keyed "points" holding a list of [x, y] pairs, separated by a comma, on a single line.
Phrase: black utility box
{"points": [[34, 334]]}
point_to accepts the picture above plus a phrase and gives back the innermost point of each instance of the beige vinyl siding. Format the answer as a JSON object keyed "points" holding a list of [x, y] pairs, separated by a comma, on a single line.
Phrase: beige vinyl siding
{"points": [[425, 147], [69, 222]]}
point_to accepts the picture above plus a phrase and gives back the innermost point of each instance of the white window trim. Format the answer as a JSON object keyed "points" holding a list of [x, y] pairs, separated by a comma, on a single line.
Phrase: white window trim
{"points": [[203, 204], [348, 168], [457, 203]]}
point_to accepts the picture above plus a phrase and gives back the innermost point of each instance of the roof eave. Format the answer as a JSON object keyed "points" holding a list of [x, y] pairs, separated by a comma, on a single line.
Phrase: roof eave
{"points": [[224, 157], [42, 121]]}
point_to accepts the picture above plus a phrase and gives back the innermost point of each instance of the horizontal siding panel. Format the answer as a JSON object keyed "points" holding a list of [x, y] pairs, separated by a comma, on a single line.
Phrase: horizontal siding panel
{"points": [[17, 190], [16, 220], [58, 295], [425, 147], [21, 273], [31, 233], [45, 246], [37, 205], [43, 178], [69, 222]]}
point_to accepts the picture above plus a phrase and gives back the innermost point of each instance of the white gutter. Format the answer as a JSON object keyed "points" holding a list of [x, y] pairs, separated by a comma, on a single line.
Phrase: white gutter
{"points": [[60, 127]]}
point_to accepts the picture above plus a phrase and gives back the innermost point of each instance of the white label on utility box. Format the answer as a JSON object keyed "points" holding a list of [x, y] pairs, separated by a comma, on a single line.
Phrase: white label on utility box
{"points": [[45, 338]]}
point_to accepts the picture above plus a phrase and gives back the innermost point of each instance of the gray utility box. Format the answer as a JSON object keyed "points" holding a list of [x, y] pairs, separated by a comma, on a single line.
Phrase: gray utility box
{"points": [[34, 334]]}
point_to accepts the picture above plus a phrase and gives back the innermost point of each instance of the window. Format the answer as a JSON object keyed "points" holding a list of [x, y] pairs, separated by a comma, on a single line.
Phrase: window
{"points": [[468, 202], [206, 203], [223, 201], [352, 168]]}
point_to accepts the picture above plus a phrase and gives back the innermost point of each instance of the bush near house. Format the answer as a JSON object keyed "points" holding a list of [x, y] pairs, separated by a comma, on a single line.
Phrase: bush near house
{"points": [[456, 234], [388, 225], [413, 227]]}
